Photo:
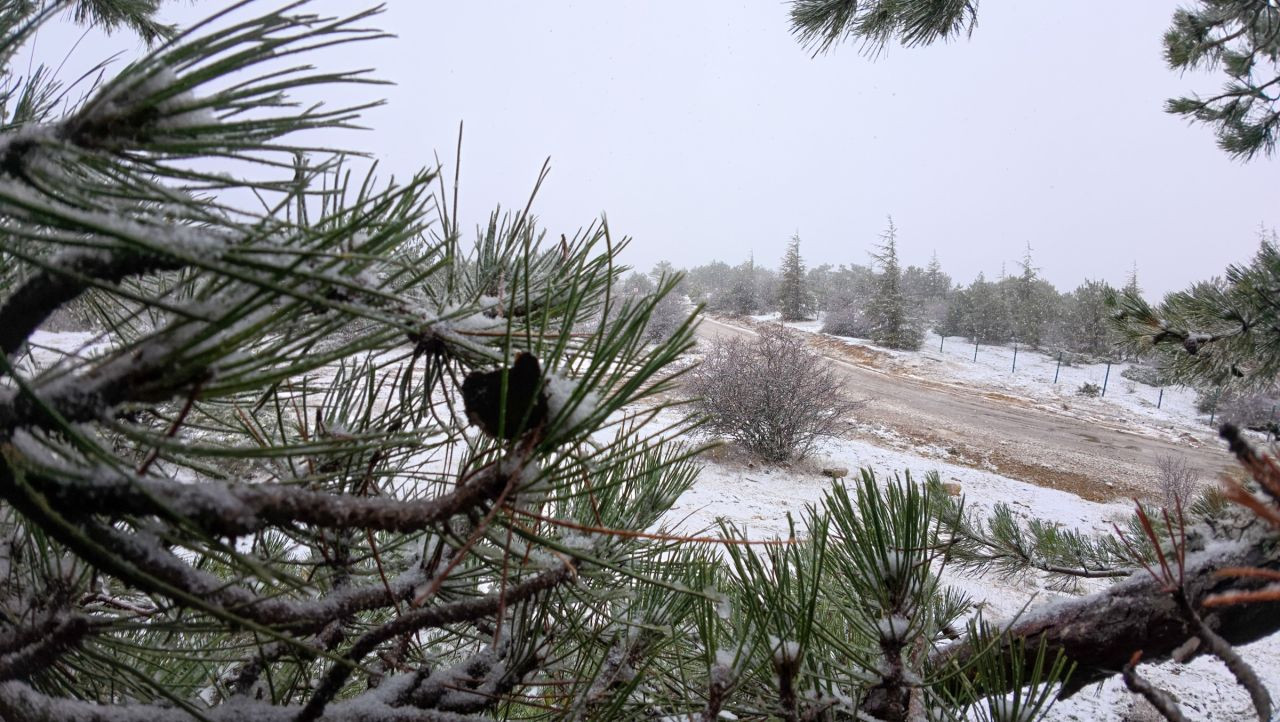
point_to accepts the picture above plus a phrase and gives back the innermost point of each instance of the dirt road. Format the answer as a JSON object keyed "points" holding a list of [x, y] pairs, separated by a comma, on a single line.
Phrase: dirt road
{"points": [[991, 431]]}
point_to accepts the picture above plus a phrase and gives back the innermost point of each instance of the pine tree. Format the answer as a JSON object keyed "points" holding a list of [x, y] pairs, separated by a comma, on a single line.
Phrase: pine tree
{"points": [[743, 297], [821, 281], [937, 283], [794, 298], [1085, 326], [1131, 282], [1032, 305], [893, 324]]}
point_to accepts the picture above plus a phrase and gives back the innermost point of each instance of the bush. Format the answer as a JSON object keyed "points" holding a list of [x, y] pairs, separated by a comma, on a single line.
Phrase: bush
{"points": [[1088, 389], [772, 395], [1207, 400], [850, 321], [1177, 481], [1249, 410], [668, 314], [1148, 375], [1252, 411]]}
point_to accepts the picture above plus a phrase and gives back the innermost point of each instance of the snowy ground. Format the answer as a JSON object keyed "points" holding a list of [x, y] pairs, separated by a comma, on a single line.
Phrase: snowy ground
{"points": [[759, 497], [1170, 415]]}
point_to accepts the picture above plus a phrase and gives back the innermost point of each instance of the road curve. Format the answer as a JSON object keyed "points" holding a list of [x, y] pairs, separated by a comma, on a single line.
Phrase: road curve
{"points": [[1095, 461]]}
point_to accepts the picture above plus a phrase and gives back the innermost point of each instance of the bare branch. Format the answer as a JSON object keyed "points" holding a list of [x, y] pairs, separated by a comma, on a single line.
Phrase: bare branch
{"points": [[1158, 698]]}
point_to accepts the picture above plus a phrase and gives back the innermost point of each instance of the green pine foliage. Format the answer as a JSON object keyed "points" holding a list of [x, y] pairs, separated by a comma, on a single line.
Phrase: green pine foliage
{"points": [[264, 491], [892, 320], [794, 298], [821, 24], [845, 623], [1219, 333]]}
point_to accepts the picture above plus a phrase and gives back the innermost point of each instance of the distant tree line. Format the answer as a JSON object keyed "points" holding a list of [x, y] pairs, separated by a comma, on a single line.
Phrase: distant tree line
{"points": [[894, 306]]}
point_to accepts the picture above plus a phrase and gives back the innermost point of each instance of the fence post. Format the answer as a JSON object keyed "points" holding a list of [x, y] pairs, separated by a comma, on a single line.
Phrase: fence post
{"points": [[944, 340], [1015, 358], [975, 349], [1055, 371], [1106, 378], [1161, 399]]}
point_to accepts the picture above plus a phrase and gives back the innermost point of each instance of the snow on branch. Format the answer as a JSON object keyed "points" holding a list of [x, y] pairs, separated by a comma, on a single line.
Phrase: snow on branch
{"points": [[242, 508], [63, 279], [1100, 632]]}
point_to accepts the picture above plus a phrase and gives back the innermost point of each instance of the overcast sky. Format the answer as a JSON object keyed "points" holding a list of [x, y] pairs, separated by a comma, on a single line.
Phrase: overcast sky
{"points": [[704, 131]]}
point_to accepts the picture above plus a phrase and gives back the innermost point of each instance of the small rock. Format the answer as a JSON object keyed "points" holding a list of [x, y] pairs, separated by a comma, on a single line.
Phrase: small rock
{"points": [[836, 472], [951, 487], [953, 451]]}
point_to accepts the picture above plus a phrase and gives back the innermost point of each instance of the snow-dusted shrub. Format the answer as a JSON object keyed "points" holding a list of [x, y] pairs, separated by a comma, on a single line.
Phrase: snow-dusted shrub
{"points": [[1249, 410], [850, 320], [1177, 481], [1253, 411], [1207, 400], [668, 314], [1088, 389], [772, 395], [1148, 375]]}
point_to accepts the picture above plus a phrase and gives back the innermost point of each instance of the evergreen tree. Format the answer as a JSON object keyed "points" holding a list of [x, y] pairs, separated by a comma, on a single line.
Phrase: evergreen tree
{"points": [[853, 288], [743, 297], [980, 313], [1085, 326], [893, 323], [794, 298], [822, 284], [1034, 304], [709, 284], [937, 282], [1131, 282]]}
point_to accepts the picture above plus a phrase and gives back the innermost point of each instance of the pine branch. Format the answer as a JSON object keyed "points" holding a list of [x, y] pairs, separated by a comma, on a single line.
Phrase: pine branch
{"points": [[66, 631], [66, 277], [1099, 632], [238, 509], [1003, 542], [18, 701], [429, 617]]}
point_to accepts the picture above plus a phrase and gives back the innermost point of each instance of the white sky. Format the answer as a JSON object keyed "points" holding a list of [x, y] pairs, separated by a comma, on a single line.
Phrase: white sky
{"points": [[706, 132]]}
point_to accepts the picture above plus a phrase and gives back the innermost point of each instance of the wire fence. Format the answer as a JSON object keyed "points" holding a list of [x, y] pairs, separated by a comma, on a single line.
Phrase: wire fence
{"points": [[1050, 367]]}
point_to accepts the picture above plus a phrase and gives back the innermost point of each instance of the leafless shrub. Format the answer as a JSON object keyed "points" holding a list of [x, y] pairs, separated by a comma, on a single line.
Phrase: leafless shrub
{"points": [[1252, 411], [1177, 480], [772, 395]]}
